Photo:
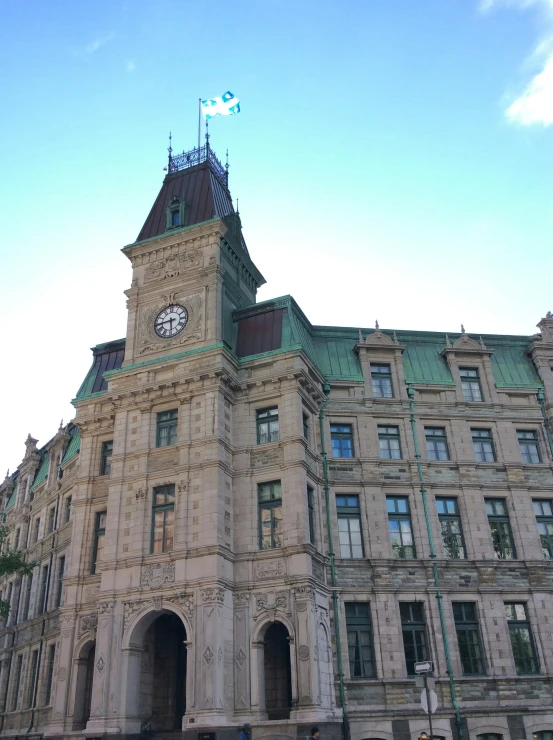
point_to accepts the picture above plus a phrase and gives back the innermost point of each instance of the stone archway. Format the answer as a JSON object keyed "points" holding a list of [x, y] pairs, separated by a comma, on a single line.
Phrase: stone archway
{"points": [[277, 672], [155, 672], [84, 683]]}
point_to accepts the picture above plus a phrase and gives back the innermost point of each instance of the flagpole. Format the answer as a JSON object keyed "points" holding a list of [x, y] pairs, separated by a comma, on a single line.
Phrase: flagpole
{"points": [[199, 125]]}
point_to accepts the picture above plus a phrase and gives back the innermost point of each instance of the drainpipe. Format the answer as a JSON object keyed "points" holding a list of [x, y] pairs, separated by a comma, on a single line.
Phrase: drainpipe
{"points": [[547, 423], [411, 394], [333, 578]]}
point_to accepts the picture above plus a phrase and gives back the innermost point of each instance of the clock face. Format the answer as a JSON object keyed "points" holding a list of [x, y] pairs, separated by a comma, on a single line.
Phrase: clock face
{"points": [[170, 321]]}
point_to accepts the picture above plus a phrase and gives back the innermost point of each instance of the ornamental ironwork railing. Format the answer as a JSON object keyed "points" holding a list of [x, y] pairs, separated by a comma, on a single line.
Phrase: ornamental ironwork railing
{"points": [[196, 156]]}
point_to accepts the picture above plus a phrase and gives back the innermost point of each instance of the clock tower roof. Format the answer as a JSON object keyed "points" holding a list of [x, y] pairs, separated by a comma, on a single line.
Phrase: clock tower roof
{"points": [[197, 182]]}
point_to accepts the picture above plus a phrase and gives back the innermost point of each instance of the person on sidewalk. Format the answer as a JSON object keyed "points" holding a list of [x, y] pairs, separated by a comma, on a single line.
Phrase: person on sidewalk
{"points": [[314, 733], [246, 732]]}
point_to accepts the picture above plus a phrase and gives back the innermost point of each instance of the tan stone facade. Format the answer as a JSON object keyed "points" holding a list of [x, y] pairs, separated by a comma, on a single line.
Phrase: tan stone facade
{"points": [[183, 578]]}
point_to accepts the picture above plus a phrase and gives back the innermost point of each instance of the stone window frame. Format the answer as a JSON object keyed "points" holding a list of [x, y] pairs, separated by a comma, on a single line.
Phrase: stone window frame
{"points": [[472, 382], [49, 677], [415, 626], [275, 502], [165, 509], [522, 624], [60, 575], [175, 207], [482, 439], [377, 375], [337, 422], [43, 590], [261, 420], [106, 453], [32, 678], [98, 532], [16, 684], [536, 438], [357, 625], [448, 517], [470, 625], [171, 423], [388, 436], [545, 519], [381, 349], [502, 533], [349, 512], [400, 516]]}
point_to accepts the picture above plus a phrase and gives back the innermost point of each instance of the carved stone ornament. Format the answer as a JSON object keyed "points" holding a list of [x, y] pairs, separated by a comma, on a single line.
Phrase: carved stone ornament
{"points": [[213, 594], [100, 664], [105, 607], [240, 657], [62, 674], [157, 602], [208, 655], [185, 601], [270, 569], [241, 598], [68, 619], [141, 494], [88, 623], [157, 575], [91, 593], [303, 652], [149, 340], [173, 264], [302, 593], [129, 609], [220, 655]]}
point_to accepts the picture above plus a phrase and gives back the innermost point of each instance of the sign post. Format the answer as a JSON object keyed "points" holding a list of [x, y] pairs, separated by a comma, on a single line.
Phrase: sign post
{"points": [[429, 700]]}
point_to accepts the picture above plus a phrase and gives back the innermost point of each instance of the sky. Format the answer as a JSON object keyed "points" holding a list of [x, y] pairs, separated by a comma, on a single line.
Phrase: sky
{"points": [[392, 161]]}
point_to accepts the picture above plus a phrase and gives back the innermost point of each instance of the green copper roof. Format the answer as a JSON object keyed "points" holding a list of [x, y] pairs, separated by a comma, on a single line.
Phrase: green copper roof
{"points": [[42, 472], [73, 447], [512, 368], [12, 498]]}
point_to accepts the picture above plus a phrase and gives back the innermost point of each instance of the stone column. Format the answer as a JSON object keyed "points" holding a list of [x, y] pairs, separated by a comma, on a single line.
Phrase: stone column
{"points": [[64, 677], [308, 684], [210, 644], [131, 674], [257, 679], [102, 668], [241, 652]]}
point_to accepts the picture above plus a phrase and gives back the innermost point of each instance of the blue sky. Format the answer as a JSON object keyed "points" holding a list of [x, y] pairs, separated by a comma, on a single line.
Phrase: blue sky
{"points": [[393, 161]]}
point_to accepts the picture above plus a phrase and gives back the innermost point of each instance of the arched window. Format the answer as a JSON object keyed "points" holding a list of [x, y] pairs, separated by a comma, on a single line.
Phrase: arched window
{"points": [[543, 735], [489, 736], [176, 214]]}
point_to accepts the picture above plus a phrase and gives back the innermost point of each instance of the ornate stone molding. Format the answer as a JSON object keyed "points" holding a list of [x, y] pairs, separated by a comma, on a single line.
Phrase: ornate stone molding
{"points": [[157, 575], [129, 609], [241, 598], [149, 340], [88, 623], [106, 607], [303, 593], [185, 601], [173, 264], [270, 569], [216, 594]]}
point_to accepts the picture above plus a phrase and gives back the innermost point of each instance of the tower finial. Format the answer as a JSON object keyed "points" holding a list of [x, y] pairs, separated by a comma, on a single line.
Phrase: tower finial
{"points": [[237, 209], [170, 150], [226, 168], [206, 137], [462, 329], [376, 325]]}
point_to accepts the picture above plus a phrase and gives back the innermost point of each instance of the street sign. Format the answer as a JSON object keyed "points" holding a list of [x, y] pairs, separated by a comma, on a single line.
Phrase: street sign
{"points": [[433, 701], [422, 681], [424, 667]]}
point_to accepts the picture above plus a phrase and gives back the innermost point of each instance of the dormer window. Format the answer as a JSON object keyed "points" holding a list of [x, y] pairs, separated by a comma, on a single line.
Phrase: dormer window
{"points": [[176, 212]]}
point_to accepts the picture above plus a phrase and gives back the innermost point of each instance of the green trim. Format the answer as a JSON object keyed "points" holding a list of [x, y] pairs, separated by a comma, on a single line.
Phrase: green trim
{"points": [[272, 353], [12, 498], [88, 397], [172, 231], [72, 449], [166, 358]]}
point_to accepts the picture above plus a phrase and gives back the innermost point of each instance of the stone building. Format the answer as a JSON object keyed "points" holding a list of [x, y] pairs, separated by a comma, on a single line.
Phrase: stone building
{"points": [[252, 518]]}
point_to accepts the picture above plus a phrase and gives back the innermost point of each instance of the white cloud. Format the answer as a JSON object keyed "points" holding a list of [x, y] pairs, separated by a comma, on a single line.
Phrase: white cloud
{"points": [[534, 105], [98, 42]]}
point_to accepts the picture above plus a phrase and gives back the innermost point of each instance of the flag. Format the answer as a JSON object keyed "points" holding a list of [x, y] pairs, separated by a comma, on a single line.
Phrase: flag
{"points": [[227, 105]]}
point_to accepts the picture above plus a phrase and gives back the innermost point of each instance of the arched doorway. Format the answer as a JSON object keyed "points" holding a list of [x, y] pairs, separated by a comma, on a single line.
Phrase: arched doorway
{"points": [[85, 678], [163, 674], [278, 675]]}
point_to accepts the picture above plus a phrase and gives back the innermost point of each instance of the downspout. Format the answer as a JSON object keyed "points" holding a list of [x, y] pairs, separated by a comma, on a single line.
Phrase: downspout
{"points": [[333, 578], [547, 423], [458, 722]]}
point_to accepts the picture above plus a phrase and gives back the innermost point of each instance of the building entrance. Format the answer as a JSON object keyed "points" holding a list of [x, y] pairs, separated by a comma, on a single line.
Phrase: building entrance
{"points": [[278, 676], [163, 675]]}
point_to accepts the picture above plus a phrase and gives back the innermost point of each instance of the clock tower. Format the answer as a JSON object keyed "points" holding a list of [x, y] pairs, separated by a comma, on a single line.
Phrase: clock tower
{"points": [[191, 266]]}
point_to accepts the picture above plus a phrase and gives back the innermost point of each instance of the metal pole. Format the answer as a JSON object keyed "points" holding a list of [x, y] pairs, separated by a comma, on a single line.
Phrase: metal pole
{"points": [[427, 692], [199, 125]]}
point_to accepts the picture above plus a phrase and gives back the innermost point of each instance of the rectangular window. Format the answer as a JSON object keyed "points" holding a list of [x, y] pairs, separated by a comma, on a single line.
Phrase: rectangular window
{"points": [[17, 537], [267, 425], [401, 531], [436, 443], [360, 640], [107, 452], [522, 640], [175, 218], [450, 525], [27, 601], [482, 442], [544, 517], [43, 592], [305, 423], [311, 515], [16, 681], [468, 639], [381, 378], [61, 573], [9, 618], [166, 428], [500, 528], [341, 437], [413, 627], [529, 448], [269, 501], [99, 537], [51, 519], [163, 516], [36, 530], [470, 382], [388, 439], [349, 526], [67, 513], [32, 679], [50, 673]]}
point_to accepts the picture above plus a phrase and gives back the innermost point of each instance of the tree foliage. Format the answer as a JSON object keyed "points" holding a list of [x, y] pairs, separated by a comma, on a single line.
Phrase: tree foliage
{"points": [[11, 561]]}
